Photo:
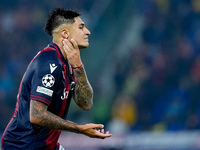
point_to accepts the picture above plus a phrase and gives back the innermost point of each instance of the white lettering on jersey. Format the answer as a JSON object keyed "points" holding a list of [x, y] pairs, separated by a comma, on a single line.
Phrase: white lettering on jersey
{"points": [[65, 94], [61, 148], [63, 74]]}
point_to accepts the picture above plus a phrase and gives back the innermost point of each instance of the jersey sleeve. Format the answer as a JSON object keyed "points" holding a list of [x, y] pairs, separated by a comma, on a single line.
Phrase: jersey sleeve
{"points": [[47, 74]]}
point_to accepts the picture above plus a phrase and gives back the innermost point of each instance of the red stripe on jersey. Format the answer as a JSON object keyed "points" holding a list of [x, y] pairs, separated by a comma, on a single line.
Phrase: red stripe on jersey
{"points": [[48, 49], [40, 101], [40, 98], [67, 86], [52, 139]]}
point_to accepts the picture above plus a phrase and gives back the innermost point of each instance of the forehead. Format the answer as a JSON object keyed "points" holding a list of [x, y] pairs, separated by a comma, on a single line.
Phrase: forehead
{"points": [[78, 21]]}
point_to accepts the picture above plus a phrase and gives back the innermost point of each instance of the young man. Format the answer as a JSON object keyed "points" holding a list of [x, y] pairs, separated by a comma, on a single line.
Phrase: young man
{"points": [[53, 77]]}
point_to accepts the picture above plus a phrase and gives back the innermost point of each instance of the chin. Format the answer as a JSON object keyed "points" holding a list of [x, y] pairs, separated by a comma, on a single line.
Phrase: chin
{"points": [[83, 46]]}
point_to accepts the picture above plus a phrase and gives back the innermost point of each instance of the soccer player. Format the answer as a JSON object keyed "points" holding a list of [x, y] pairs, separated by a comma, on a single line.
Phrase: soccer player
{"points": [[53, 77]]}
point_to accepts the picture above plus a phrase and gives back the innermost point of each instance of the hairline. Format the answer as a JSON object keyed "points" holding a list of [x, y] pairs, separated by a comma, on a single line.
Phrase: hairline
{"points": [[64, 23]]}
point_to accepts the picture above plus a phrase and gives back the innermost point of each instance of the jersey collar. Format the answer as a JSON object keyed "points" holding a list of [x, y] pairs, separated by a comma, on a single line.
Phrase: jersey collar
{"points": [[55, 46]]}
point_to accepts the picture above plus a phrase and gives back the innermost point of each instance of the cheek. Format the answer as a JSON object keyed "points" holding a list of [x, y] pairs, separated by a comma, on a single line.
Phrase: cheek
{"points": [[75, 35], [78, 37]]}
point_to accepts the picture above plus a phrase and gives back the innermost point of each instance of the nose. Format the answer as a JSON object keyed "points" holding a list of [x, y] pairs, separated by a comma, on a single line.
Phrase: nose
{"points": [[87, 32]]}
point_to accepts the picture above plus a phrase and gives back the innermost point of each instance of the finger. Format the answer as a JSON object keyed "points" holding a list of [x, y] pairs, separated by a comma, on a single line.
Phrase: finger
{"points": [[107, 135], [97, 126], [65, 42], [74, 44], [65, 46], [102, 131], [102, 135], [68, 43]]}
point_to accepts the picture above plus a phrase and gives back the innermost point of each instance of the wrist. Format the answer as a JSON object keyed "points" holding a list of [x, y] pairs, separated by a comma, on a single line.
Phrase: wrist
{"points": [[80, 128], [78, 66]]}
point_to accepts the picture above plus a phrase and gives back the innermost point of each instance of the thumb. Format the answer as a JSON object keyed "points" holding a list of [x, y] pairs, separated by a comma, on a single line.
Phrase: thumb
{"points": [[99, 126]]}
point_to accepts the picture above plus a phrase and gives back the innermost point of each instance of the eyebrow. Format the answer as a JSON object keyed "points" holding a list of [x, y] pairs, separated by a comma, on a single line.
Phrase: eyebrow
{"points": [[82, 24]]}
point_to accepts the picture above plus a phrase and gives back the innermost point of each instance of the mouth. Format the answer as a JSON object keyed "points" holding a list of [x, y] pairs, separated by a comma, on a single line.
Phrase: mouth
{"points": [[86, 39]]}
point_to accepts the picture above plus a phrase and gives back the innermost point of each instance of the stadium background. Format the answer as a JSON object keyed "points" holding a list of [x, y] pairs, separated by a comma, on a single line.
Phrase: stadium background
{"points": [[143, 63]]}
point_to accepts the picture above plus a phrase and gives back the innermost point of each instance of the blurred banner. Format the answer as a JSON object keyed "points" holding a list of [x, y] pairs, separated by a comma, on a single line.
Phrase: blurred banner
{"points": [[135, 141]]}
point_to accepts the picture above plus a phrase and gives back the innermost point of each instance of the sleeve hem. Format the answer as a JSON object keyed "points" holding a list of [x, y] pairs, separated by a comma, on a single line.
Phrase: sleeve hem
{"points": [[41, 99]]}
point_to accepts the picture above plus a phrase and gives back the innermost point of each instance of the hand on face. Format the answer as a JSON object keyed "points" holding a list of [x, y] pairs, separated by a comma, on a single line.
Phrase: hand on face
{"points": [[72, 52]]}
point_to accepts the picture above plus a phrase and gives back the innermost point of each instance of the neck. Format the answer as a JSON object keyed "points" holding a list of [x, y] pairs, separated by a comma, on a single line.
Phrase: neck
{"points": [[60, 45]]}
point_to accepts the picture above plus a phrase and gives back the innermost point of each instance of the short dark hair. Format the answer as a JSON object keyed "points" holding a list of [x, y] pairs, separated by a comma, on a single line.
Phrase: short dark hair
{"points": [[59, 16]]}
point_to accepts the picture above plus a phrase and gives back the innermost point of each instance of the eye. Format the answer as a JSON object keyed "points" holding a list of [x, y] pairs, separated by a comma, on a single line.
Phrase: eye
{"points": [[81, 27]]}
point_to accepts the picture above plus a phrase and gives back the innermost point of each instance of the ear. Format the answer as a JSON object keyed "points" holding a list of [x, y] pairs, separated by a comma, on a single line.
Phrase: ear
{"points": [[65, 33]]}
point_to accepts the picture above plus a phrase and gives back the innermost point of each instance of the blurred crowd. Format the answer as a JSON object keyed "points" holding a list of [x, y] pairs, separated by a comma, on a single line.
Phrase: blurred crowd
{"points": [[156, 87], [22, 35], [161, 75]]}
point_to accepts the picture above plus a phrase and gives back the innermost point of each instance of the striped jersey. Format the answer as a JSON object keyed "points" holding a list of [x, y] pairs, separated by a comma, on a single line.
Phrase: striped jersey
{"points": [[49, 79]]}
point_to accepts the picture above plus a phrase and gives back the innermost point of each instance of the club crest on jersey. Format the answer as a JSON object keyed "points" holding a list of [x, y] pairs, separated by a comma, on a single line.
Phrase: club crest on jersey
{"points": [[48, 80]]}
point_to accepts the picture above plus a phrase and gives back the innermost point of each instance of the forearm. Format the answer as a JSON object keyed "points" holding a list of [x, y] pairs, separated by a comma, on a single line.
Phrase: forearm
{"points": [[83, 93], [40, 116]]}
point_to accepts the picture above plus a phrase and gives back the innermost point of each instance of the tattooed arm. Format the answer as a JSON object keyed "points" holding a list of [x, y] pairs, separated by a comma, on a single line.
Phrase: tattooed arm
{"points": [[41, 116], [83, 93]]}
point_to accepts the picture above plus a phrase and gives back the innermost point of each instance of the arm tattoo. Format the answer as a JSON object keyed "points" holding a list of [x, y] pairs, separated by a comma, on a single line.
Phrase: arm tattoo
{"points": [[83, 94], [39, 112]]}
